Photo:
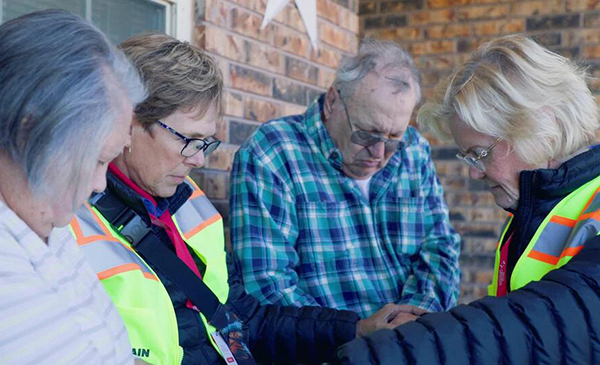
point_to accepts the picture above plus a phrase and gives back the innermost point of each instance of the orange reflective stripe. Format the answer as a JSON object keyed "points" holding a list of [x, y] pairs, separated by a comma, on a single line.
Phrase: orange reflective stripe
{"points": [[544, 257], [124, 268], [563, 221], [201, 226], [82, 240], [571, 251], [197, 192]]}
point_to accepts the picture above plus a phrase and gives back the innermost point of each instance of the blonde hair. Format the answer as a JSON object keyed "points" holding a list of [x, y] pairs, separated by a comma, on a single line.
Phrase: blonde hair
{"points": [[178, 75], [513, 88]]}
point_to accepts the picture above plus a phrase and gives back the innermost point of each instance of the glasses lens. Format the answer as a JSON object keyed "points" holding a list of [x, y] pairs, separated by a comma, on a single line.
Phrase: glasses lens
{"points": [[472, 162], [193, 147], [367, 139], [211, 147]]}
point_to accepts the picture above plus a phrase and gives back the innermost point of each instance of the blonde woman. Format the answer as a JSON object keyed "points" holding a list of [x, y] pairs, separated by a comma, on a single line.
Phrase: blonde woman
{"points": [[524, 121]]}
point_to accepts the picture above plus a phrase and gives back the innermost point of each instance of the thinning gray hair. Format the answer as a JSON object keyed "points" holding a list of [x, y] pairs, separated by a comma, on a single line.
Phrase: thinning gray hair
{"points": [[371, 54], [58, 77]]}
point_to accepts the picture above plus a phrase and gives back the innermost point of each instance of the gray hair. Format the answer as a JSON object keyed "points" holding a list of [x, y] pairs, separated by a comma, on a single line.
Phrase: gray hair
{"points": [[371, 54], [513, 88], [58, 77]]}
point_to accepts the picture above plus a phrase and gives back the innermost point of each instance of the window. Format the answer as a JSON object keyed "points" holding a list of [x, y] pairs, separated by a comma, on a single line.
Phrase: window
{"points": [[119, 19]]}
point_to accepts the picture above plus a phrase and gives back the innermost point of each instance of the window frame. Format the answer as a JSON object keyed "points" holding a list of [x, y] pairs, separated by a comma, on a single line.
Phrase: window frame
{"points": [[178, 22]]}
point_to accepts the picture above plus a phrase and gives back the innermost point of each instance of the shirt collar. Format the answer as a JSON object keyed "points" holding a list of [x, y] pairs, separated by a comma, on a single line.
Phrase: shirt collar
{"points": [[318, 133]]}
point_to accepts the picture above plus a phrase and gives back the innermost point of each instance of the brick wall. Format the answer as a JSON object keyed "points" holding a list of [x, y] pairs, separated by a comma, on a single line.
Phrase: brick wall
{"points": [[440, 34], [268, 73]]}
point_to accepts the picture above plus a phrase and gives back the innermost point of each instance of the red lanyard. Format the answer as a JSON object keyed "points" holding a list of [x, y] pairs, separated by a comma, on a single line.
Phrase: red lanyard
{"points": [[502, 268]]}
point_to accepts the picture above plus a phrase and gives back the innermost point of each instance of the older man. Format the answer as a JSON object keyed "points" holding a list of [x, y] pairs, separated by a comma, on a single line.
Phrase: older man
{"points": [[340, 206]]}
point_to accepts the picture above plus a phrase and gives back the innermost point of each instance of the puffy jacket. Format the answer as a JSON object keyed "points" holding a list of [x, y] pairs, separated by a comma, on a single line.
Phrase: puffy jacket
{"points": [[552, 321]]}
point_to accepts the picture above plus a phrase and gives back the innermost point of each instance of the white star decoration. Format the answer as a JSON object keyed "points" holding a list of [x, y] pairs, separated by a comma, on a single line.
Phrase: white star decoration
{"points": [[308, 12]]}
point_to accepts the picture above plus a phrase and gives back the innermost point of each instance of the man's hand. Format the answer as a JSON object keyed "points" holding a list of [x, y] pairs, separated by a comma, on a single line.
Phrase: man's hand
{"points": [[390, 316]]}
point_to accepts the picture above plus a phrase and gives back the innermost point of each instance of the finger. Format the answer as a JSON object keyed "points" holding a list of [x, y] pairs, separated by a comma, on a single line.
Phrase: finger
{"points": [[413, 309], [401, 319]]}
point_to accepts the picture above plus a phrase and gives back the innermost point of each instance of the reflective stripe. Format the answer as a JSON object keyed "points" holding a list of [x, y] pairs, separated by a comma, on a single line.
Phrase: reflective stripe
{"points": [[583, 231], [552, 240], [195, 215], [90, 233], [106, 257]]}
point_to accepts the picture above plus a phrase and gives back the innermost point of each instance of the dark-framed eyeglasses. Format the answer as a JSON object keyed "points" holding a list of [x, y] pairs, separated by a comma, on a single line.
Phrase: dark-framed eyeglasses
{"points": [[193, 145], [367, 139], [477, 161]]}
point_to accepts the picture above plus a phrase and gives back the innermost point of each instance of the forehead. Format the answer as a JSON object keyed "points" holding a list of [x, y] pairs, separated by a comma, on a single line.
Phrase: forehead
{"points": [[197, 122], [384, 100]]}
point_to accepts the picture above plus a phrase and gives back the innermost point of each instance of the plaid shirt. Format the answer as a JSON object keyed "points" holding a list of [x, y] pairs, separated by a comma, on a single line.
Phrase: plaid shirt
{"points": [[304, 234]]}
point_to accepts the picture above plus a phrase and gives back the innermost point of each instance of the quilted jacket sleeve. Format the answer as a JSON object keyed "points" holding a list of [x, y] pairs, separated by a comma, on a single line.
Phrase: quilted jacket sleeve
{"points": [[552, 321], [289, 335]]}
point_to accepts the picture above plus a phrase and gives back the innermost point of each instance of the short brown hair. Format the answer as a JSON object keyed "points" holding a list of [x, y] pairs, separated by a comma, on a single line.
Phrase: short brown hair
{"points": [[178, 76]]}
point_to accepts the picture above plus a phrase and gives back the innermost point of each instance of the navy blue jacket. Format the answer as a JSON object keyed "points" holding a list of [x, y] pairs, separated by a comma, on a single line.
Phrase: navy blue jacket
{"points": [[552, 321]]}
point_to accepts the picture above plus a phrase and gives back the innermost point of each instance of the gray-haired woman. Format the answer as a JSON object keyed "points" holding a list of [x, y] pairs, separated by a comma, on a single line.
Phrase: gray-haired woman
{"points": [[66, 100]]}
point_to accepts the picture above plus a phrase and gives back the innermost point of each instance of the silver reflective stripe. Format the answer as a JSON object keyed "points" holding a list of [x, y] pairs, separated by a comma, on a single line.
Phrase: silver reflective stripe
{"points": [[194, 212], [553, 238], [104, 255], [583, 231]]}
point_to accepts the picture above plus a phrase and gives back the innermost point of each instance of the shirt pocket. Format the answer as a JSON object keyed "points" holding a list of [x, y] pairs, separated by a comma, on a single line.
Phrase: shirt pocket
{"points": [[327, 233], [402, 223]]}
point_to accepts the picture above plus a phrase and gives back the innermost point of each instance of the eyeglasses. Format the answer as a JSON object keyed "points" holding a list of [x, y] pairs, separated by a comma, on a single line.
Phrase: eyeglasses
{"points": [[367, 139], [477, 161], [193, 145]]}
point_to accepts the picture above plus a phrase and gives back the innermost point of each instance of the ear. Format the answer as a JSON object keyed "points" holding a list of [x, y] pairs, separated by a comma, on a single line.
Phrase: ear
{"points": [[330, 97]]}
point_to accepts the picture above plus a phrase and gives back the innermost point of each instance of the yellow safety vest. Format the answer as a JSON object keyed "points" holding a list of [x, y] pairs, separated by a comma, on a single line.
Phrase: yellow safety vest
{"points": [[140, 297], [560, 237]]}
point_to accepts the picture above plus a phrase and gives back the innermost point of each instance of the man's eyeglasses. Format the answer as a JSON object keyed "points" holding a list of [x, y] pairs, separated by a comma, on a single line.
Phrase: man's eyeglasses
{"points": [[477, 161], [367, 139], [193, 145]]}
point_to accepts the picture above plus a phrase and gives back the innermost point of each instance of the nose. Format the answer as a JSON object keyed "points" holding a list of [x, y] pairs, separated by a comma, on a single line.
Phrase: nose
{"points": [[99, 182], [196, 161], [475, 173], [377, 150]]}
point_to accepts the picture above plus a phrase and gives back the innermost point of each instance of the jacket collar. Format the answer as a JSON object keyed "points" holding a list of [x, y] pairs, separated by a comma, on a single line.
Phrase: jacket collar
{"points": [[143, 206], [550, 184]]}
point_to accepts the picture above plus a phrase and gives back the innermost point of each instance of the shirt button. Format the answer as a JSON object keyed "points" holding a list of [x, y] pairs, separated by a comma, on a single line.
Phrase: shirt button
{"points": [[334, 155]]}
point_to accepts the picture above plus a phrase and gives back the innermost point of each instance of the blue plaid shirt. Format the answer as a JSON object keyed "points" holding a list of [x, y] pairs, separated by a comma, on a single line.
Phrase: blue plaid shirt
{"points": [[304, 234]]}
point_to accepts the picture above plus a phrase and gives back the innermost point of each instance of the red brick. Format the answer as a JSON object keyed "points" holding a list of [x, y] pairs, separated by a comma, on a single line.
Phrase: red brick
{"points": [[325, 56], [537, 7], [432, 47], [482, 12], [431, 17], [233, 104], [578, 37], [591, 52], [449, 31], [395, 6], [250, 80], [326, 78], [261, 110], [582, 5], [442, 62], [396, 34], [256, 5], [336, 37], [248, 24], [293, 109], [436, 4], [291, 41], [290, 16], [264, 57], [216, 12], [217, 41], [329, 10], [495, 27]]}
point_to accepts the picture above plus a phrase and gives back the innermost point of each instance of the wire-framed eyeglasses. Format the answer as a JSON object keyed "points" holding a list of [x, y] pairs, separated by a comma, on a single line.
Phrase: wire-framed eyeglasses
{"points": [[477, 161], [366, 139], [193, 145]]}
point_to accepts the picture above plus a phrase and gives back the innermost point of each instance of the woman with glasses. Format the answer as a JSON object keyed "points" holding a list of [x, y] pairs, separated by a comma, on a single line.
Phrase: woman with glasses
{"points": [[525, 123], [157, 243]]}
